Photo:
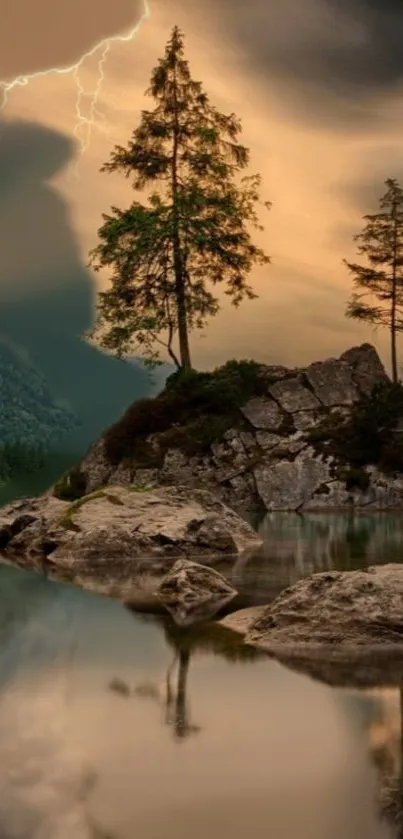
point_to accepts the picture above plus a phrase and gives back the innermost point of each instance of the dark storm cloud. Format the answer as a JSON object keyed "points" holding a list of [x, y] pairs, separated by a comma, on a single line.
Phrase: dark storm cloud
{"points": [[337, 53], [46, 292], [363, 191], [39, 34], [31, 151]]}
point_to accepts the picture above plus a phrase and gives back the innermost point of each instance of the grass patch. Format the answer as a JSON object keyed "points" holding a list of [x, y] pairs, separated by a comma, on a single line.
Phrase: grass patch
{"points": [[193, 411]]}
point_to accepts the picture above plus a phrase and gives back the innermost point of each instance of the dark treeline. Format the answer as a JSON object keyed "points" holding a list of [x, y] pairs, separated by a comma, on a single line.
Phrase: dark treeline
{"points": [[19, 457]]}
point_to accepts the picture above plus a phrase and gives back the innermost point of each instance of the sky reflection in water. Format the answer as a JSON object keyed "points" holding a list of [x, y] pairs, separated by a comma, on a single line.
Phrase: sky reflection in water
{"points": [[111, 724]]}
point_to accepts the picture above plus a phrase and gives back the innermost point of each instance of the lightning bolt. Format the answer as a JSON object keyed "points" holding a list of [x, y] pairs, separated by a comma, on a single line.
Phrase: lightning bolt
{"points": [[84, 124]]}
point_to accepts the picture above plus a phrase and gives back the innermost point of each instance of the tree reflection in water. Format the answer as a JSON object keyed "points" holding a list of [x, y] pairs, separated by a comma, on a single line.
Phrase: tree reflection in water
{"points": [[176, 703], [186, 643], [389, 762]]}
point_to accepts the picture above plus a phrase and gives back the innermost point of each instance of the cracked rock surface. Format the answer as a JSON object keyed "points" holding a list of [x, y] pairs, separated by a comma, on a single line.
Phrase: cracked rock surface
{"points": [[269, 464], [122, 523]]}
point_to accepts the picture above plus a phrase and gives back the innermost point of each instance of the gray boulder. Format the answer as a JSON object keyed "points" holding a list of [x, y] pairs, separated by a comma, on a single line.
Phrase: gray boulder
{"points": [[192, 592], [341, 628], [367, 368], [334, 612], [263, 413], [293, 396], [332, 381], [289, 484], [124, 523], [242, 620]]}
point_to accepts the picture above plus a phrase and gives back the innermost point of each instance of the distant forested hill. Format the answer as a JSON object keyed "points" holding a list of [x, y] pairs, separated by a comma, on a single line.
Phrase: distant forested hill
{"points": [[40, 435], [28, 414], [31, 423]]}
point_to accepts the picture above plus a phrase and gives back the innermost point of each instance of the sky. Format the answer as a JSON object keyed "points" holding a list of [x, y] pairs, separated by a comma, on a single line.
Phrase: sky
{"points": [[318, 86]]}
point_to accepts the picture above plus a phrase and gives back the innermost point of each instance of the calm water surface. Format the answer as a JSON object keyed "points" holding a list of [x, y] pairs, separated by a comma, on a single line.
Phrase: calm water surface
{"points": [[115, 724]]}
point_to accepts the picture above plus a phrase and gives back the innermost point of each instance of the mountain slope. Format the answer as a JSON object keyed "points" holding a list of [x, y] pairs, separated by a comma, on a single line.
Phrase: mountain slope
{"points": [[28, 414]]}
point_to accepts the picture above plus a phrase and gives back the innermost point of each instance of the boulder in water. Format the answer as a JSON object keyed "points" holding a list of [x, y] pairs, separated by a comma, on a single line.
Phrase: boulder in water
{"points": [[192, 592]]}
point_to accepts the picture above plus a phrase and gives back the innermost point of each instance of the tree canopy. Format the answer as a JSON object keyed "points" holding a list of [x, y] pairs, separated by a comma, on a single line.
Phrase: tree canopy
{"points": [[381, 280], [167, 254]]}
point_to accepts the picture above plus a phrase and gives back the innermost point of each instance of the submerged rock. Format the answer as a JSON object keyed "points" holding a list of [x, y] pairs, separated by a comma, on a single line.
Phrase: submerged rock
{"points": [[192, 592], [125, 523], [241, 620]]}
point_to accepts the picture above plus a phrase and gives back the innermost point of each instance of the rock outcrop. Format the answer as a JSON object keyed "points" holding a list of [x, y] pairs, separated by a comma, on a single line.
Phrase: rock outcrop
{"points": [[330, 614], [192, 592], [341, 628], [267, 460], [123, 523]]}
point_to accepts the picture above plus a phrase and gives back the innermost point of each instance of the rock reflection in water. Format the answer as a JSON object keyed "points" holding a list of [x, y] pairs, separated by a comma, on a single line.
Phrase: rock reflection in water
{"points": [[298, 545], [386, 747], [294, 546], [318, 542], [91, 694]]}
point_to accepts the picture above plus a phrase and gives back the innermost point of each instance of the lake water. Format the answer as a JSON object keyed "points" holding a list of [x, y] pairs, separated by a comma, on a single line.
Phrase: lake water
{"points": [[115, 724]]}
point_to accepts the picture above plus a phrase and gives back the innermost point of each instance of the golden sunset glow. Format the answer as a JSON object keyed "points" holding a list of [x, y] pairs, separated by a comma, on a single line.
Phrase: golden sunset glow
{"points": [[324, 145]]}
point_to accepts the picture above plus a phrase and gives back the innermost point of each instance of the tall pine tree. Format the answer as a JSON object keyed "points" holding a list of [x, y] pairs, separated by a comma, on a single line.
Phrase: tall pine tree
{"points": [[167, 254], [382, 279]]}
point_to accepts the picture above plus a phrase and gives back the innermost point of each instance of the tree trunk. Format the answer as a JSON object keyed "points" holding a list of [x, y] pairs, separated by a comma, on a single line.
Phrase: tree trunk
{"points": [[393, 329], [180, 277], [395, 376], [180, 293]]}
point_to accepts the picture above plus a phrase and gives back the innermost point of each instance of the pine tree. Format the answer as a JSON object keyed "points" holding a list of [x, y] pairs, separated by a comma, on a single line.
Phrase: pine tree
{"points": [[167, 254], [382, 280]]}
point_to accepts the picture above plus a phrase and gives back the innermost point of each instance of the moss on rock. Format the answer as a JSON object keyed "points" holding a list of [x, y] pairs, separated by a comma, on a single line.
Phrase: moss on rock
{"points": [[67, 520]]}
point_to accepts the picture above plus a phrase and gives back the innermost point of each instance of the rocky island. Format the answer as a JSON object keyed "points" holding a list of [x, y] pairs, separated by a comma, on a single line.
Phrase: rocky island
{"points": [[262, 437], [178, 475]]}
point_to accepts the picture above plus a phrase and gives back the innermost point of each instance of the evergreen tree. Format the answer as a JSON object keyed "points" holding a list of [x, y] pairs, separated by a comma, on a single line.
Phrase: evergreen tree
{"points": [[167, 255], [382, 280]]}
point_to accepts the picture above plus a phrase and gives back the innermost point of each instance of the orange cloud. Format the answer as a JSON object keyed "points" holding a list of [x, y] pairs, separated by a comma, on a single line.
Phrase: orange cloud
{"points": [[307, 166]]}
